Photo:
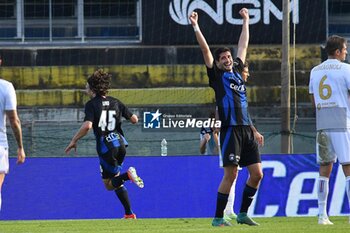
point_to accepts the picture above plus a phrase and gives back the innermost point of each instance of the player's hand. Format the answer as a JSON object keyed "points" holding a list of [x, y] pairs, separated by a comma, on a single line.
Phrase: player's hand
{"points": [[193, 18], [21, 156], [207, 137], [259, 138], [71, 146], [244, 13]]}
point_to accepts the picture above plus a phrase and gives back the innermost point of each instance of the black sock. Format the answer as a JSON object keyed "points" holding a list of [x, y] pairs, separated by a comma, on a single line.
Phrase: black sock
{"points": [[123, 196], [221, 202], [248, 194], [119, 180]]}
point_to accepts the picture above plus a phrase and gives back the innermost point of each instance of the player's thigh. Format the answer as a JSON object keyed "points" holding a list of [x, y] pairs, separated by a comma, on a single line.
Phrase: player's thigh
{"points": [[4, 160], [250, 150], [325, 152], [341, 145], [230, 146]]}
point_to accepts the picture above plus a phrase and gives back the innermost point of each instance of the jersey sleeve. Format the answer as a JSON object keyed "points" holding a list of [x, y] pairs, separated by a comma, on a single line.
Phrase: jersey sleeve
{"points": [[11, 100], [89, 112], [125, 111], [238, 64], [211, 75]]}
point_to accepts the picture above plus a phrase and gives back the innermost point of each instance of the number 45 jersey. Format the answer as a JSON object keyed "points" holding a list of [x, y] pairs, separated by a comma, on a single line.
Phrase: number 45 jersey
{"points": [[330, 85], [105, 113]]}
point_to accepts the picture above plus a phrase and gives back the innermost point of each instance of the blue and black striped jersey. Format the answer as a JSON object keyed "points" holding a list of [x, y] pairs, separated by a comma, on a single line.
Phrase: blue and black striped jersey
{"points": [[230, 94], [105, 113]]}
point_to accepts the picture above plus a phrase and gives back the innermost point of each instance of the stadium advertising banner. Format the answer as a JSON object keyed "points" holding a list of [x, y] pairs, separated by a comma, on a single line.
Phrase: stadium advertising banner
{"points": [[289, 188], [165, 22]]}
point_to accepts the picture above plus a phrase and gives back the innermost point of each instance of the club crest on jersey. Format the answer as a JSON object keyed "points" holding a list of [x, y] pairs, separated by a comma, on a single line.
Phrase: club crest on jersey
{"points": [[233, 157]]}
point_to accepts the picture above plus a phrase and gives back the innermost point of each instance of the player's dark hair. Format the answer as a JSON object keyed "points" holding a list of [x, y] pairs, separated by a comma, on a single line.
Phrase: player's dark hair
{"points": [[246, 64], [100, 82], [218, 51], [334, 43]]}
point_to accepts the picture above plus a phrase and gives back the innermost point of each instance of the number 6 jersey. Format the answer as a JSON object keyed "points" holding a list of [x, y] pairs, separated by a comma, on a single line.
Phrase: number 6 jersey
{"points": [[330, 85]]}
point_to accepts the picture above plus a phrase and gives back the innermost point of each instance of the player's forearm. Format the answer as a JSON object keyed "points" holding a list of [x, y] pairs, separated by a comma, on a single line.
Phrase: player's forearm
{"points": [[16, 126], [203, 45], [201, 39], [244, 37], [253, 128], [17, 131], [216, 139], [84, 129], [81, 133], [243, 40], [202, 145]]}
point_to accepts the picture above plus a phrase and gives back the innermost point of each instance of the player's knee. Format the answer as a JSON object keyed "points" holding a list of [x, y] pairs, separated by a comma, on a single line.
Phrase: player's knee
{"points": [[230, 178], [120, 154], [109, 186], [256, 177]]}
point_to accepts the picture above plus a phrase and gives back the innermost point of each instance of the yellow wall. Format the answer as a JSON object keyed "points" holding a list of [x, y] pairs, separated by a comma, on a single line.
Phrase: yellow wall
{"points": [[149, 96]]}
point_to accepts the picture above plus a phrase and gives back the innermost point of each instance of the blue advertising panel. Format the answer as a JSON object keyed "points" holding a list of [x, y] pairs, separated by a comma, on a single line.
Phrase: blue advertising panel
{"points": [[175, 186]]}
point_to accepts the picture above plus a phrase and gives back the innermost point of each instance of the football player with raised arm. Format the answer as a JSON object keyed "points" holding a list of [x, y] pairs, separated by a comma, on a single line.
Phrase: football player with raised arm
{"points": [[238, 137]]}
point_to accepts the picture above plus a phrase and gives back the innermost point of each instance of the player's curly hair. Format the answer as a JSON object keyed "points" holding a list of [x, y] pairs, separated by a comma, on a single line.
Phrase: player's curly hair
{"points": [[99, 82]]}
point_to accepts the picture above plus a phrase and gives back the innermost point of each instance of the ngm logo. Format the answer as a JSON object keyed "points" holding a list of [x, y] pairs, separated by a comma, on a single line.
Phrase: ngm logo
{"points": [[180, 10]]}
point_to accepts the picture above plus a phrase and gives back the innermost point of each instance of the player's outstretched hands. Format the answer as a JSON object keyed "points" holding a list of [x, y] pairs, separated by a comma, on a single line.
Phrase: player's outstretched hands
{"points": [[244, 13], [193, 18], [71, 146]]}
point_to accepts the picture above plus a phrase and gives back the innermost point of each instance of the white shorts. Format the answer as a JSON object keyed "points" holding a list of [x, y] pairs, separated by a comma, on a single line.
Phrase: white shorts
{"points": [[333, 145], [4, 160]]}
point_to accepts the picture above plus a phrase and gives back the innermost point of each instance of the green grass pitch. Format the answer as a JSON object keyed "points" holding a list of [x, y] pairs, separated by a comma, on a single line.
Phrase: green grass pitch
{"points": [[268, 225]]}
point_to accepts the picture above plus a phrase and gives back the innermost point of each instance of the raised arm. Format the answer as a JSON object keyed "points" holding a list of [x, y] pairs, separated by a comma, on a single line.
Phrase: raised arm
{"points": [[244, 37], [208, 57]]}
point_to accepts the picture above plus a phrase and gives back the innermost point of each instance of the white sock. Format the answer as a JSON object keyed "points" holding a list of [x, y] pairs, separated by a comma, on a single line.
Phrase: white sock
{"points": [[231, 199], [348, 188], [322, 192]]}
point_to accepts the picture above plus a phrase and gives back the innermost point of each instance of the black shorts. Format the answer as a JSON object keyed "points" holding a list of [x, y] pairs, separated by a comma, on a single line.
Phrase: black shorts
{"points": [[238, 146], [112, 160]]}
